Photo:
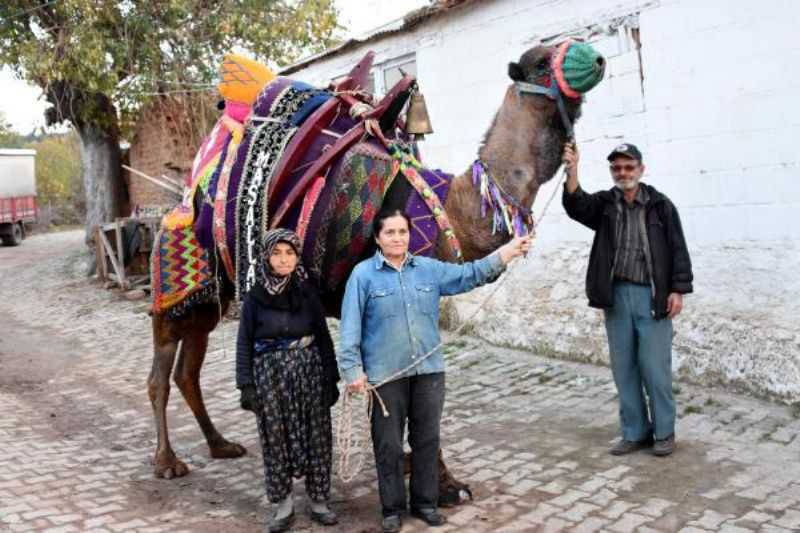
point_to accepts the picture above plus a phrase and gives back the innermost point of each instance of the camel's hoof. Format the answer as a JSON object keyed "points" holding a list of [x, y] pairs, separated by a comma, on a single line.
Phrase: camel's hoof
{"points": [[227, 450], [171, 468], [454, 495]]}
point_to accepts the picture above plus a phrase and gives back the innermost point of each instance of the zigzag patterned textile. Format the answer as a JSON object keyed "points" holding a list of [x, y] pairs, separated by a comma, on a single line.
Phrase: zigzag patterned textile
{"points": [[425, 206], [180, 271], [273, 124], [424, 228]]}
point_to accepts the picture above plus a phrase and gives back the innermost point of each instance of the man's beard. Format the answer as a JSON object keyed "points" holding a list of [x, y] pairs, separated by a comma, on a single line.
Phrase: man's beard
{"points": [[628, 185]]}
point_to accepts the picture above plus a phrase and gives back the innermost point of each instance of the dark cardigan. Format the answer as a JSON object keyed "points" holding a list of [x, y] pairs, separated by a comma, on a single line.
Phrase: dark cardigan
{"points": [[296, 312], [671, 265]]}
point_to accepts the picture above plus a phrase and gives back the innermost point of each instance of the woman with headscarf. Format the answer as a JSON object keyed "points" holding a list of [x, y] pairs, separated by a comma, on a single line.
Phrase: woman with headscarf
{"points": [[286, 371]]}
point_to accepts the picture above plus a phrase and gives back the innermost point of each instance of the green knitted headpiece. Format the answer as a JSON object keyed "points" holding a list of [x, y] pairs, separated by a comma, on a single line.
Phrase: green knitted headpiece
{"points": [[578, 68]]}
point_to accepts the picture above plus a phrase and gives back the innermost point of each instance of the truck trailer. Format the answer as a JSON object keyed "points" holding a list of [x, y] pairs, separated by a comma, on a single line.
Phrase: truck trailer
{"points": [[17, 194]]}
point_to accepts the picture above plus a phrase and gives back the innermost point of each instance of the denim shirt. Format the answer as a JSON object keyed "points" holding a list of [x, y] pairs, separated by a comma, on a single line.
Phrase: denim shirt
{"points": [[390, 318]]}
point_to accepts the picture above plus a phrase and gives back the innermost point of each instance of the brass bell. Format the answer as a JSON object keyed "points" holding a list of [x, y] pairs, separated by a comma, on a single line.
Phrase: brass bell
{"points": [[417, 121]]}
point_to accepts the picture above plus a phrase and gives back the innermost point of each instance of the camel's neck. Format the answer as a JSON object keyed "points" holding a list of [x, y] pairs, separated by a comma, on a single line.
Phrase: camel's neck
{"points": [[521, 150]]}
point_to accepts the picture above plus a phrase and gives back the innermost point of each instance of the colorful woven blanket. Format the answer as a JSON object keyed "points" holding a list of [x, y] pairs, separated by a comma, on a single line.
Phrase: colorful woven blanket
{"points": [[425, 205], [180, 271], [217, 228], [358, 191], [274, 122]]}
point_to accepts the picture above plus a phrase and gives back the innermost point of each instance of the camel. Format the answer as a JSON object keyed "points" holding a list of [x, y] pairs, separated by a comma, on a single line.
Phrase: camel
{"points": [[521, 150]]}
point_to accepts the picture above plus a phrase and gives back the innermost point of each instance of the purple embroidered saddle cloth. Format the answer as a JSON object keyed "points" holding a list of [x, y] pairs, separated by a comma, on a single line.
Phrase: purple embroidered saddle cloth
{"points": [[424, 229]]}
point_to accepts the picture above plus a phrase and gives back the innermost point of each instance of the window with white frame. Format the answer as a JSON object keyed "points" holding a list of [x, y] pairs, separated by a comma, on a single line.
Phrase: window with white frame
{"points": [[387, 74], [384, 76]]}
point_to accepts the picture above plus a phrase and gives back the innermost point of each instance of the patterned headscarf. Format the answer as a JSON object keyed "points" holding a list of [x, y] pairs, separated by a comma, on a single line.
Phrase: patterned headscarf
{"points": [[273, 283]]}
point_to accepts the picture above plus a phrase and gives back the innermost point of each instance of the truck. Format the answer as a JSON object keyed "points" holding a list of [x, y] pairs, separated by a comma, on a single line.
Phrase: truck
{"points": [[17, 194]]}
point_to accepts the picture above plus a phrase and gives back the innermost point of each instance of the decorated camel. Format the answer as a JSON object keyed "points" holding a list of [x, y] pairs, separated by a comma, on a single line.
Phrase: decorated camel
{"points": [[323, 162]]}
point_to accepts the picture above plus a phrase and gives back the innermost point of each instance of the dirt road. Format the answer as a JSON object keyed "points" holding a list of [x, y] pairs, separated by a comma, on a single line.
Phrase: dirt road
{"points": [[529, 434]]}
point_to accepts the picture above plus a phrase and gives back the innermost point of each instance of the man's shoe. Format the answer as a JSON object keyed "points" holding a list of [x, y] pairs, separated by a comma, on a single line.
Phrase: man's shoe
{"points": [[624, 447], [664, 447], [327, 518], [430, 516], [392, 524], [284, 524]]}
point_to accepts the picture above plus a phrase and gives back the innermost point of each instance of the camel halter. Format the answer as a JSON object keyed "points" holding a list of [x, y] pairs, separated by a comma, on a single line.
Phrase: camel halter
{"points": [[557, 89]]}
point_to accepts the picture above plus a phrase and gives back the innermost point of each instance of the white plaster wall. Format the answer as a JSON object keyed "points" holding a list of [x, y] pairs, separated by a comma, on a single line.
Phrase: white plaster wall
{"points": [[715, 119]]}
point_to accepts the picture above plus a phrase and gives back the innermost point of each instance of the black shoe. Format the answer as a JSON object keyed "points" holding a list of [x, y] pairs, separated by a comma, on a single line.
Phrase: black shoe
{"points": [[327, 518], [284, 524], [664, 447], [392, 523], [623, 447], [430, 516]]}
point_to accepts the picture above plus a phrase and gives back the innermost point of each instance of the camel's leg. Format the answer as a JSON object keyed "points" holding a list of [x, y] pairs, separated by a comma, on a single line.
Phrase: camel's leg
{"points": [[164, 348], [187, 377], [451, 491]]}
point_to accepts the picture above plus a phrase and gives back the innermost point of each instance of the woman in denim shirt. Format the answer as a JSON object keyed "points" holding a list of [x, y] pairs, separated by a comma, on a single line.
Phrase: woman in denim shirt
{"points": [[390, 321]]}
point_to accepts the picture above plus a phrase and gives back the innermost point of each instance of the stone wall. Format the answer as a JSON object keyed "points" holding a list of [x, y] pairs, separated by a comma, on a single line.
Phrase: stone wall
{"points": [[739, 328]]}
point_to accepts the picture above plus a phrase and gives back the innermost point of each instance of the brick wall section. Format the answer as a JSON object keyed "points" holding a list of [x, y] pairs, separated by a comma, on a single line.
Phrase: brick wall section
{"points": [[165, 142]]}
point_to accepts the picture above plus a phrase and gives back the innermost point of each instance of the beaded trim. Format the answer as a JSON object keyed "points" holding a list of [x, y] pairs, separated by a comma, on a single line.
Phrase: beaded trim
{"points": [[409, 166]]}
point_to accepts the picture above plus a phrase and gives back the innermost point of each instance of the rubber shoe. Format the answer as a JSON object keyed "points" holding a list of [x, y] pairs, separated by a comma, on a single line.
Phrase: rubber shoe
{"points": [[328, 518], [664, 447], [392, 524], [284, 524], [431, 516], [624, 447]]}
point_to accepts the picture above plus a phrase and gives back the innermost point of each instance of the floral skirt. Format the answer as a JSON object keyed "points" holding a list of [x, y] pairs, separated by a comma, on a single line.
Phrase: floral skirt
{"points": [[293, 421]]}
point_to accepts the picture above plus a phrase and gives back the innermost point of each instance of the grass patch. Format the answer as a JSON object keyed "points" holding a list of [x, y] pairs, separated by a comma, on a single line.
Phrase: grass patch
{"points": [[711, 402], [456, 344], [692, 410], [768, 436], [469, 363], [676, 389]]}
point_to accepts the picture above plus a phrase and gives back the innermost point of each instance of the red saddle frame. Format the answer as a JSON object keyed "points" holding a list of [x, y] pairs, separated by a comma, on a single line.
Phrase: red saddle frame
{"points": [[348, 92]]}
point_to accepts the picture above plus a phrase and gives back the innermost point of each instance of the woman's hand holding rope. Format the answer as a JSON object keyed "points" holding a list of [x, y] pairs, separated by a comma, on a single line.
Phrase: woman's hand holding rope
{"points": [[514, 248], [358, 385]]}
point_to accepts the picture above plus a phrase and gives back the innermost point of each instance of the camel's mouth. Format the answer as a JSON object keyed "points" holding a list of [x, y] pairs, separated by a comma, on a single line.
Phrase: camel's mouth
{"points": [[578, 68]]}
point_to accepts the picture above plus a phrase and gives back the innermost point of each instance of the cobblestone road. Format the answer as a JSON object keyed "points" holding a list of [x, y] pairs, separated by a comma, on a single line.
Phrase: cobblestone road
{"points": [[529, 434]]}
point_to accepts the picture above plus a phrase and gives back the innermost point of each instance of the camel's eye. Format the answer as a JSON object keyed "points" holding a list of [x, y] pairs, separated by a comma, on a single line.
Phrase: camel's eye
{"points": [[542, 65]]}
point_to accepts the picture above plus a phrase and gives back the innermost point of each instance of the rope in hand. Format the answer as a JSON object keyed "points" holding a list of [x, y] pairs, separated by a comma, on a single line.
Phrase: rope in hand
{"points": [[347, 443]]}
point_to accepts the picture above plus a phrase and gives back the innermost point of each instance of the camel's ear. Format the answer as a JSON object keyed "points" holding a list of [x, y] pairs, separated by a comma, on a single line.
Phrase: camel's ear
{"points": [[515, 72]]}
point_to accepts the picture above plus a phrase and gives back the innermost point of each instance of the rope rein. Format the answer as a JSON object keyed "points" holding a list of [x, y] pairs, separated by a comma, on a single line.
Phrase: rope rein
{"points": [[349, 444]]}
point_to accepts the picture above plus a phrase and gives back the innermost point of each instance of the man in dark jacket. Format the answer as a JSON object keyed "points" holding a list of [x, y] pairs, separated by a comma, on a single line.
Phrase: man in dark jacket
{"points": [[639, 270]]}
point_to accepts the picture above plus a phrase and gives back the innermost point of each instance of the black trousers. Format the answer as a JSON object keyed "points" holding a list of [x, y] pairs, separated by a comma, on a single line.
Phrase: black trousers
{"points": [[418, 400]]}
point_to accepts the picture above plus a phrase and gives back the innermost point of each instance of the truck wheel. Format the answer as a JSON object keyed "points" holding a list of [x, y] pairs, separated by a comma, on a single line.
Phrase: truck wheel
{"points": [[17, 234]]}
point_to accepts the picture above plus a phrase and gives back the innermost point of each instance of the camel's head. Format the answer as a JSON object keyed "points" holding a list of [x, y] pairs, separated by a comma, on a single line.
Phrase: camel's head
{"points": [[549, 83]]}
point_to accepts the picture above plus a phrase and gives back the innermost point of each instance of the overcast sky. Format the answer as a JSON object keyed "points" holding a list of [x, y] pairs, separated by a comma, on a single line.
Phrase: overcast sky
{"points": [[23, 108]]}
